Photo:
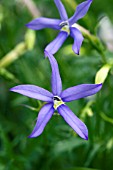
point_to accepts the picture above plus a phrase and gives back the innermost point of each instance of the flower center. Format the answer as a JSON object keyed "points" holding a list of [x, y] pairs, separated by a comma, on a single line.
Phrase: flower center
{"points": [[65, 26], [57, 102]]}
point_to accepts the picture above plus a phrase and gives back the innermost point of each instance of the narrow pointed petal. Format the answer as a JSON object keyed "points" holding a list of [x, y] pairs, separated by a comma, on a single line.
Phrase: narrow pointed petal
{"points": [[41, 23], [80, 12], [78, 126], [80, 91], [61, 9], [54, 46], [78, 38], [33, 92], [55, 78], [44, 116]]}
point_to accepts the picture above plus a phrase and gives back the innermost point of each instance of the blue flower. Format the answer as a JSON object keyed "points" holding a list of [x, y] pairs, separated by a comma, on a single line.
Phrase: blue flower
{"points": [[56, 100], [64, 25]]}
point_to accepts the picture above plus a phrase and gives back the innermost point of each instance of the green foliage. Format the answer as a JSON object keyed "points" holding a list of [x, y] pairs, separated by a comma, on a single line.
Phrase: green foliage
{"points": [[22, 62]]}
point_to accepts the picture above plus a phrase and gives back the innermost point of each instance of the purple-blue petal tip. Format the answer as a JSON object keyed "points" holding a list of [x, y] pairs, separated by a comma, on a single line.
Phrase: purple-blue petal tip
{"points": [[85, 133], [27, 25], [100, 85], [78, 52], [30, 136], [45, 53], [11, 89], [86, 138], [90, 1]]}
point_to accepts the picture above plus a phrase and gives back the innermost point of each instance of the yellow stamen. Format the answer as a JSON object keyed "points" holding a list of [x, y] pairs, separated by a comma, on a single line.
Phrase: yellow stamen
{"points": [[65, 26], [57, 102], [66, 29]]}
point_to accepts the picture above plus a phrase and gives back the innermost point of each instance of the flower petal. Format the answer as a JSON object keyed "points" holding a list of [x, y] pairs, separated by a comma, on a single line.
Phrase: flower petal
{"points": [[44, 116], [80, 12], [61, 9], [55, 78], [73, 121], [80, 91], [78, 38], [33, 92], [54, 46], [40, 23]]}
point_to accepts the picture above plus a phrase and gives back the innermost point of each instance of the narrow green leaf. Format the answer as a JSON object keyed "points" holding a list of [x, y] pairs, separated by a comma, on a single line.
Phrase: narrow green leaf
{"points": [[92, 154], [67, 145], [8, 75], [106, 118]]}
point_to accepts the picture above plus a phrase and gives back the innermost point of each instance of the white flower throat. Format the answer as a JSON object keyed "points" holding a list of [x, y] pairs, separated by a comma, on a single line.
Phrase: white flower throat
{"points": [[57, 102], [65, 26]]}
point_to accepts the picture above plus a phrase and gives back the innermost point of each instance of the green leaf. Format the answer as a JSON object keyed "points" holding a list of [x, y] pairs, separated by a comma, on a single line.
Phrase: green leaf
{"points": [[68, 145], [106, 118], [92, 154]]}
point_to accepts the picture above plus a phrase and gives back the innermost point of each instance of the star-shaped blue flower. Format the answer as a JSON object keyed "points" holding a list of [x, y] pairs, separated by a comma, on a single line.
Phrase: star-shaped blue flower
{"points": [[56, 100], [64, 25]]}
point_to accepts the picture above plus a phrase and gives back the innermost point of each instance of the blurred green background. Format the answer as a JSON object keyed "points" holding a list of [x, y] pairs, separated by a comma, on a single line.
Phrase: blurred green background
{"points": [[22, 62]]}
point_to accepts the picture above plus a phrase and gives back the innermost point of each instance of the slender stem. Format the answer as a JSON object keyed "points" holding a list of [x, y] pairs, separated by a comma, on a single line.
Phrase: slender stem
{"points": [[95, 41], [19, 49], [13, 55], [8, 75], [103, 57]]}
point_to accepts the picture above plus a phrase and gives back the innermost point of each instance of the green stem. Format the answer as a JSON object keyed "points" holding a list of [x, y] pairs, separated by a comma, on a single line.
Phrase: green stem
{"points": [[95, 42]]}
